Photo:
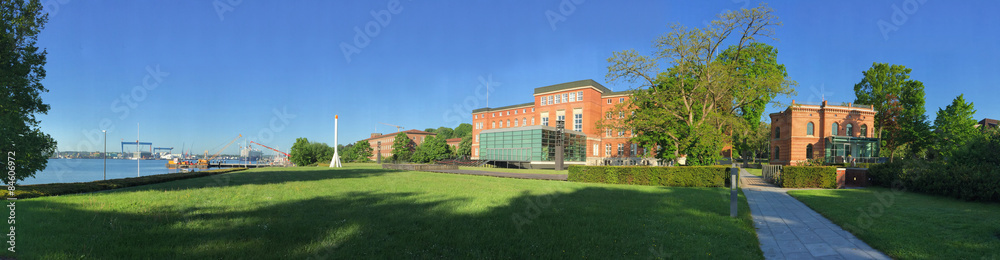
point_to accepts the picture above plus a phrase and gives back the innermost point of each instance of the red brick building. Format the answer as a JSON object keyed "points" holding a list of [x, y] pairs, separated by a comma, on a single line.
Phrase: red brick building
{"points": [[453, 142], [383, 142], [580, 104], [835, 133]]}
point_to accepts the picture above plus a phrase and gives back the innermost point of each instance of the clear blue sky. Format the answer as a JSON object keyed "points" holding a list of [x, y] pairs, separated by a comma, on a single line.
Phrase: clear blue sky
{"points": [[223, 75]]}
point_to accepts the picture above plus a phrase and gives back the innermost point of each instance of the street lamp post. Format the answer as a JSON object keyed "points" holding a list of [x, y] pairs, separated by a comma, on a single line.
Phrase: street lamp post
{"points": [[105, 153], [560, 142]]}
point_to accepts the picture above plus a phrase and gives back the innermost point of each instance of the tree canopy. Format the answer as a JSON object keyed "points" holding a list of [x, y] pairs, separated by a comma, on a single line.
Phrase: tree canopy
{"points": [[432, 149], [954, 126], [22, 69], [305, 153], [402, 147], [707, 94]]}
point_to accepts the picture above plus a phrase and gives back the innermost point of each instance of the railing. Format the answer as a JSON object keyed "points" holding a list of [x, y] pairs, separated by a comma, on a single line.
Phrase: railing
{"points": [[772, 173]]}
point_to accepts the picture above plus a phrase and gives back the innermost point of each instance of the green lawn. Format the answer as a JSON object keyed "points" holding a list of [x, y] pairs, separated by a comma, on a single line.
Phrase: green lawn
{"points": [[754, 171], [536, 171], [908, 225], [365, 212]]}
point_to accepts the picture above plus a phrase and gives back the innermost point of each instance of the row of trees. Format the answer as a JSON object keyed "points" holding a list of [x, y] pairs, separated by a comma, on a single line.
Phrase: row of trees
{"points": [[900, 119], [433, 148], [305, 152]]}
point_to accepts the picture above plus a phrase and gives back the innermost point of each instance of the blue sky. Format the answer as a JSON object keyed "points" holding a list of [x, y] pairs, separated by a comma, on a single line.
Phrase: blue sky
{"points": [[197, 73]]}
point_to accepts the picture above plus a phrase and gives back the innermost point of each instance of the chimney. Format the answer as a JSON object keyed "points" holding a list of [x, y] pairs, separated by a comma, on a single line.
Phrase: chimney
{"points": [[824, 103], [793, 102], [850, 104]]}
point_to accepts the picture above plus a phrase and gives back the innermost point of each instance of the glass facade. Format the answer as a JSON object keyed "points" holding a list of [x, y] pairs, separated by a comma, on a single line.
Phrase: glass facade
{"points": [[533, 143], [862, 149]]}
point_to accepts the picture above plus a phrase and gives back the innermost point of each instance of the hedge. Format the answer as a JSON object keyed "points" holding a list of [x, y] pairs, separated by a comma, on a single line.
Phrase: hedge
{"points": [[686, 176], [967, 181], [53, 189], [808, 177]]}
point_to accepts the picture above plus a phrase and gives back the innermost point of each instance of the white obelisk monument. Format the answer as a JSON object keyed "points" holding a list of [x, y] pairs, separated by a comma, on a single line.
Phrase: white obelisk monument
{"points": [[335, 161]]}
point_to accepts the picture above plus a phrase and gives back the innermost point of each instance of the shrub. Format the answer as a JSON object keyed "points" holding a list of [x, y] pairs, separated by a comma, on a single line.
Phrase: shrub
{"points": [[809, 177], [53, 189], [690, 176]]}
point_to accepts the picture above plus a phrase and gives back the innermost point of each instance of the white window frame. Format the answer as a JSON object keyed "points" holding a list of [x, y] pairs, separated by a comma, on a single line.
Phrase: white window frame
{"points": [[579, 96]]}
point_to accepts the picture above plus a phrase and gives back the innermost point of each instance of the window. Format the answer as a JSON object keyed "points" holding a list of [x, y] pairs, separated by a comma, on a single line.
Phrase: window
{"points": [[809, 128], [475, 116], [621, 100], [777, 153], [850, 130], [621, 149], [532, 109], [621, 115], [508, 122], [777, 132], [565, 97], [515, 122], [532, 120], [864, 130], [609, 101], [578, 122], [621, 133], [633, 150], [609, 115], [522, 111], [524, 121], [558, 99], [508, 113], [572, 97], [809, 151], [579, 96], [596, 149], [561, 118], [545, 121], [835, 128], [550, 100], [607, 150], [609, 132], [515, 111], [494, 125], [494, 114], [477, 138]]}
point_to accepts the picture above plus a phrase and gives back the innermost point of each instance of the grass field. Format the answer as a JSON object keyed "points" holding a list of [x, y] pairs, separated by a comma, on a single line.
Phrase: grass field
{"points": [[536, 171], [754, 171], [908, 225], [365, 212]]}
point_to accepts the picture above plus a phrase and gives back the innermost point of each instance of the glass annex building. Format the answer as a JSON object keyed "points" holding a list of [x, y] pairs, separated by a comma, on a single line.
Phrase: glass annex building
{"points": [[531, 146]]}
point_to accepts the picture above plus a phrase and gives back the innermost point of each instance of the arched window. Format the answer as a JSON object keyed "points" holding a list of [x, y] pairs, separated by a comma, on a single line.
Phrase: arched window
{"points": [[850, 130], [809, 151], [836, 127], [777, 132], [809, 128], [864, 130], [493, 124], [515, 121], [524, 121], [777, 153], [508, 122]]}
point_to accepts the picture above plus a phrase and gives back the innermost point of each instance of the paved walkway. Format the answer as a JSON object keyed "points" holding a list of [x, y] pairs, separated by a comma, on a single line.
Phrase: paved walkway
{"points": [[788, 229], [531, 176]]}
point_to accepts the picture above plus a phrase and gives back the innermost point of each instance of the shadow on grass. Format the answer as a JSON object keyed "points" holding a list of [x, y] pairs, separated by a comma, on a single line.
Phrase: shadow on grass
{"points": [[591, 222], [261, 177]]}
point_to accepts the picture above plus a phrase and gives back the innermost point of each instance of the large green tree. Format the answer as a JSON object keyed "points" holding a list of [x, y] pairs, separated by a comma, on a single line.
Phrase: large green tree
{"points": [[465, 147], [708, 93], [954, 126], [432, 149], [402, 148], [899, 102], [445, 133], [362, 151], [300, 153], [463, 130], [22, 68]]}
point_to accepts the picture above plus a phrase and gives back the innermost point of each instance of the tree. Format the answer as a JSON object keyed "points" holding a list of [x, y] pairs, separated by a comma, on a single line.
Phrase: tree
{"points": [[879, 83], [402, 147], [463, 130], [445, 133], [322, 152], [347, 153], [954, 126], [705, 96], [915, 129], [22, 69], [432, 149], [362, 151], [465, 147], [300, 153], [431, 130]]}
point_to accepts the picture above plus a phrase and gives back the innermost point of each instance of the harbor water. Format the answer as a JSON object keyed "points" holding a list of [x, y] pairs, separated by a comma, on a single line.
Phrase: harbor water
{"points": [[86, 170]]}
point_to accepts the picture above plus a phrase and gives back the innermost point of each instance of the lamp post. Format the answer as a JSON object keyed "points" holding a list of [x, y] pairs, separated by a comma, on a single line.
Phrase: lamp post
{"points": [[105, 153], [560, 142]]}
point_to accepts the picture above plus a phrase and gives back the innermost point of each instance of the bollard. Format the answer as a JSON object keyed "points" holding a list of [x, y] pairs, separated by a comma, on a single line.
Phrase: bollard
{"points": [[732, 192]]}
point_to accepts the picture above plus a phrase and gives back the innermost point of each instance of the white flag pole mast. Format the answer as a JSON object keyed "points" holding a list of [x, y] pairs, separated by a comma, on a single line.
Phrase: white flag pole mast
{"points": [[335, 161]]}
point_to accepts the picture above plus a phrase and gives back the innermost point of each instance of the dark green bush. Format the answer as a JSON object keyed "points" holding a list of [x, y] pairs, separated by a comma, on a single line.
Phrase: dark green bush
{"points": [[809, 177], [53, 189], [973, 173], [689, 176]]}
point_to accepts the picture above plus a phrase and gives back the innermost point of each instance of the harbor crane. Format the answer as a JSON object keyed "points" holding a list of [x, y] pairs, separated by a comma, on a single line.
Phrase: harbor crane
{"points": [[272, 149], [398, 128], [206, 161]]}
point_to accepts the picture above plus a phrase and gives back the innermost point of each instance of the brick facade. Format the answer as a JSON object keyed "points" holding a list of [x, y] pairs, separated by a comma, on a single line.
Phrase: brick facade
{"points": [[789, 129]]}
